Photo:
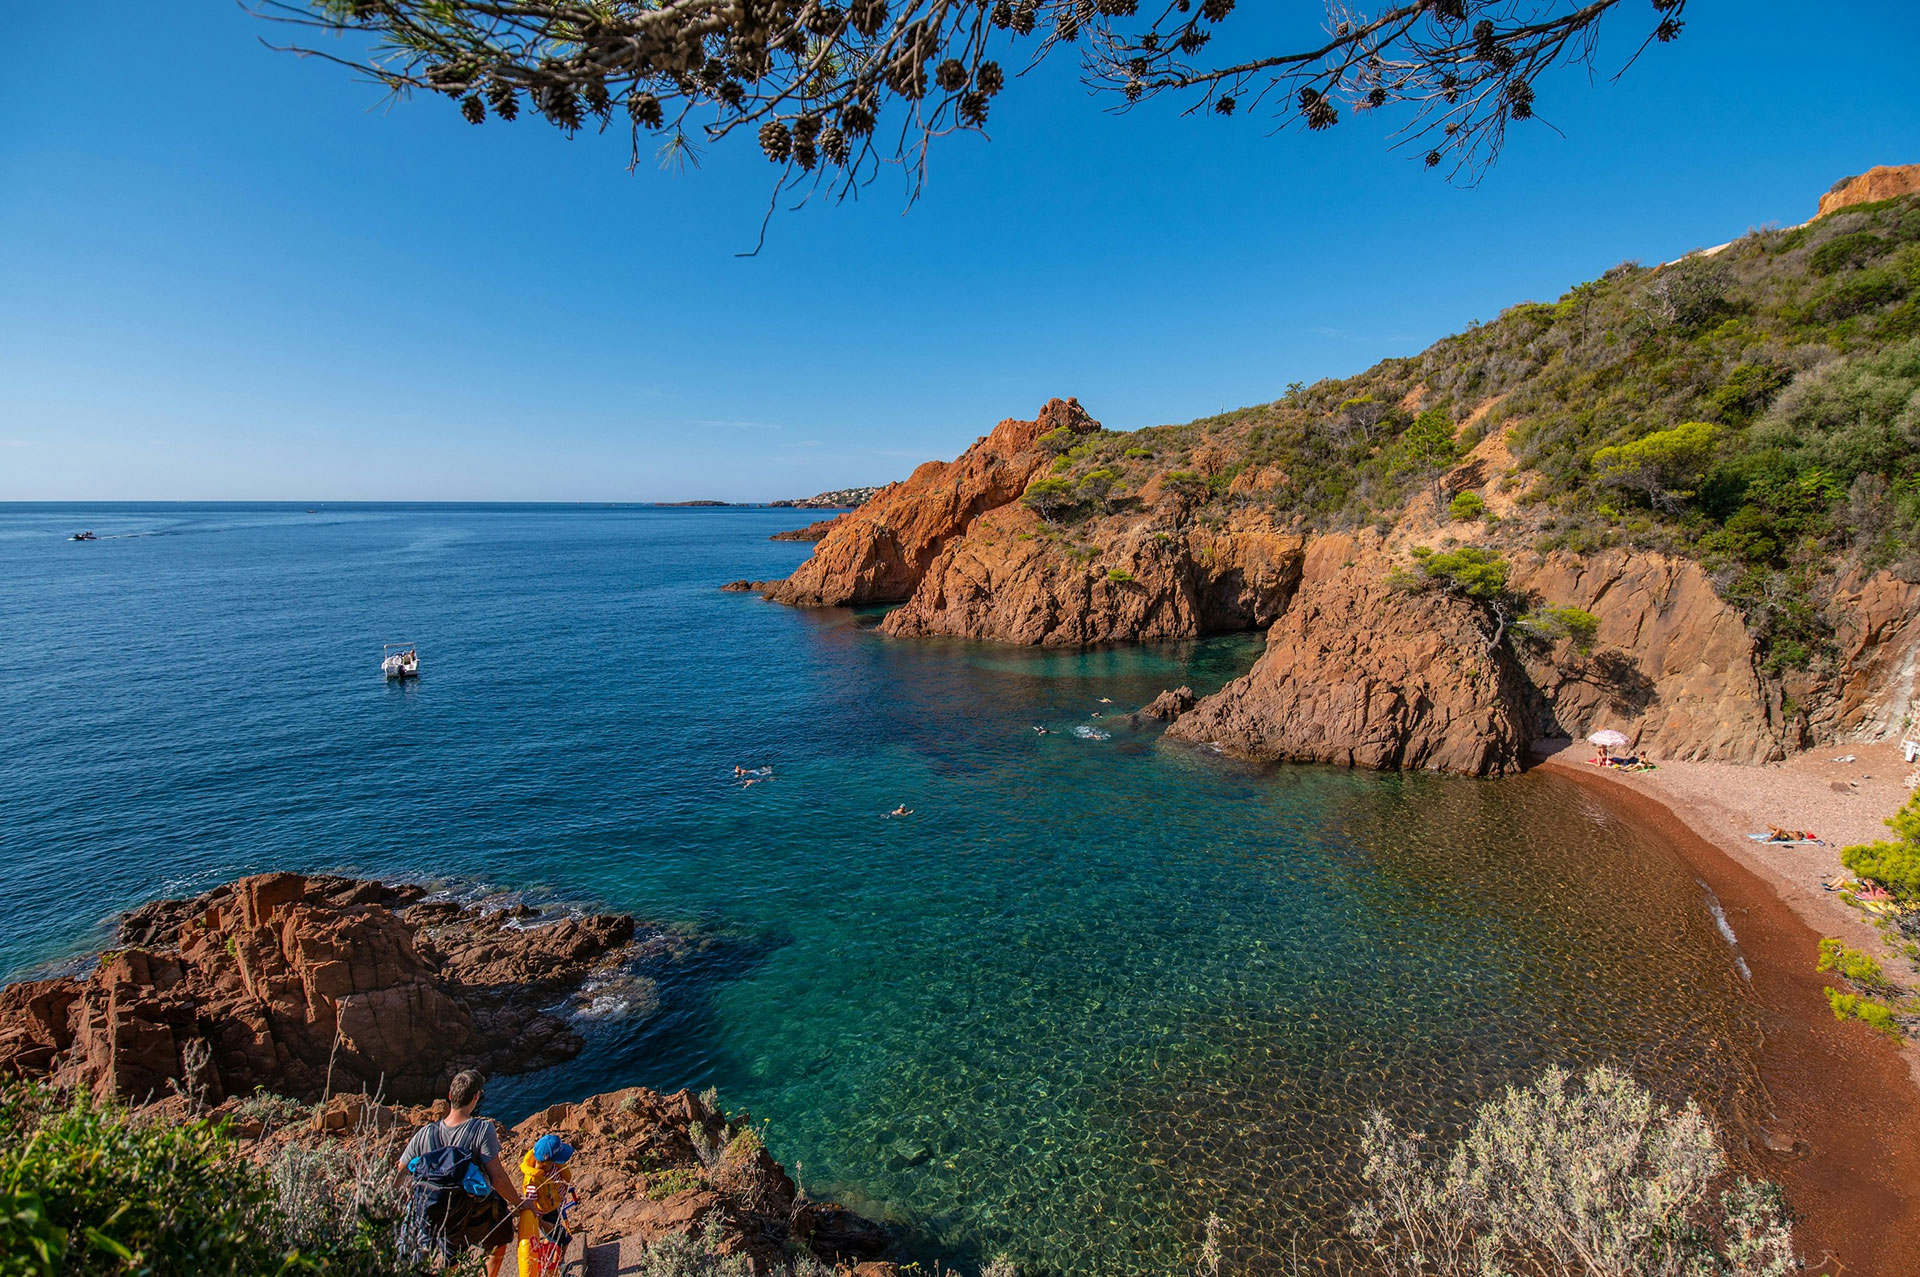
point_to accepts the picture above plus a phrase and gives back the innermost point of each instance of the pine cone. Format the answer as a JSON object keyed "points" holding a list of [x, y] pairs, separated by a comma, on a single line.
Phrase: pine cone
{"points": [[473, 108], [989, 79], [857, 120], [504, 100], [833, 146], [776, 141], [869, 16], [973, 109], [951, 75], [645, 110]]}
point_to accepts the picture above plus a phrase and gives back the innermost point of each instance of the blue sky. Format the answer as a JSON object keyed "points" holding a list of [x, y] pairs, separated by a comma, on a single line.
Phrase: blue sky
{"points": [[226, 273]]}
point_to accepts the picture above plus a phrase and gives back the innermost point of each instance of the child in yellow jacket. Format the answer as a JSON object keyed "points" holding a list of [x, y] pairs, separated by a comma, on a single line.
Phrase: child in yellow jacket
{"points": [[546, 1182]]}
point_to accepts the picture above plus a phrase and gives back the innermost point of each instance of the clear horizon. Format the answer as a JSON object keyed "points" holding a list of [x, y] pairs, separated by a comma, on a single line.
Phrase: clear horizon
{"points": [[232, 275]]}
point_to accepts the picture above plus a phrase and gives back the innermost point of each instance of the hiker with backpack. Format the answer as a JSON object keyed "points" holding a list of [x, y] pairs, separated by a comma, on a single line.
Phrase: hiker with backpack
{"points": [[461, 1195]]}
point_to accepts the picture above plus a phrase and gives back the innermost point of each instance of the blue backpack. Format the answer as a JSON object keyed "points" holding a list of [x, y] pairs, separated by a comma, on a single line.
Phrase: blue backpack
{"points": [[441, 1173]]}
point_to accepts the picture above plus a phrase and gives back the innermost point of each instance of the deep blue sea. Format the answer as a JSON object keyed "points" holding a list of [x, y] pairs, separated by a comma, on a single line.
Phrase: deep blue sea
{"points": [[1095, 988]]}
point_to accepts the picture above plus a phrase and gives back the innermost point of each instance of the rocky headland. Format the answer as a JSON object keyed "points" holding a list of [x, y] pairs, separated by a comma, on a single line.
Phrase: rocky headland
{"points": [[1701, 628]]}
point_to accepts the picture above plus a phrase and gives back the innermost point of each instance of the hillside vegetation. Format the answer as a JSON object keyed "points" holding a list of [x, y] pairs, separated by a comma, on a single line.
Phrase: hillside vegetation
{"points": [[1756, 408]]}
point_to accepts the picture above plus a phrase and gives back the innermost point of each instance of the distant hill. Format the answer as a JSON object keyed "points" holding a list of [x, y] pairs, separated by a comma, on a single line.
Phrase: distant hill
{"points": [[838, 499]]}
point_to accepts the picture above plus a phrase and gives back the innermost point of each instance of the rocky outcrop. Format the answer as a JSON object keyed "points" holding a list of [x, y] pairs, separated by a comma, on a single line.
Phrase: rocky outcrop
{"points": [[1010, 580], [1170, 704], [649, 1166], [880, 552], [815, 531], [299, 984], [1883, 182], [1672, 665], [1360, 674], [1877, 634]]}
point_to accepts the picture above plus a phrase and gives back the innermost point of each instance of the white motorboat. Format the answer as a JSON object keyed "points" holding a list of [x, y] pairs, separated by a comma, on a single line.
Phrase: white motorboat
{"points": [[400, 660]]}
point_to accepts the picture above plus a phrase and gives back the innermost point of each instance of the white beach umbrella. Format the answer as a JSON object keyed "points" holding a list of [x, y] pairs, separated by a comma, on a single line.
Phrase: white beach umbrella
{"points": [[1608, 739]]}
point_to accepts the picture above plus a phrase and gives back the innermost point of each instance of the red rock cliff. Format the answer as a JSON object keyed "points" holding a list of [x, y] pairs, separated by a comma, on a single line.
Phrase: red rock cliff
{"points": [[1363, 675], [880, 552]]}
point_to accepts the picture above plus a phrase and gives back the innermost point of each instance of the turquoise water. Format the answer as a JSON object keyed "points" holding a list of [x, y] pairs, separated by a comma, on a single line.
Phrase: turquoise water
{"points": [[1089, 992]]}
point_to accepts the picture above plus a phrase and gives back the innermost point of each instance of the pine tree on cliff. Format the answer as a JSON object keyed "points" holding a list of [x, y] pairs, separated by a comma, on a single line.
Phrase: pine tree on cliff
{"points": [[830, 91]]}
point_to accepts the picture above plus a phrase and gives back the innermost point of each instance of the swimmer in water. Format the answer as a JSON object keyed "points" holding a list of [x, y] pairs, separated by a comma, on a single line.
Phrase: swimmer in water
{"points": [[1041, 730], [901, 810]]}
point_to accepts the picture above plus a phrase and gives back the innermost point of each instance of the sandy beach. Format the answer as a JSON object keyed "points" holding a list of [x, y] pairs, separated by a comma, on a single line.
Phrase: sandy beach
{"points": [[1843, 1135]]}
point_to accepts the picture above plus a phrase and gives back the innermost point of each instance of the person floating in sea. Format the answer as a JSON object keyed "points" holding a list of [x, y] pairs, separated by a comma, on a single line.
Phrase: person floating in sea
{"points": [[1041, 730], [546, 1185], [901, 810]]}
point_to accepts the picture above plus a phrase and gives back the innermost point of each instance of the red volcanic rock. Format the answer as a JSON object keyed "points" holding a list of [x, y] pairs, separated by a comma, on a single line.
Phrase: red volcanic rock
{"points": [[650, 1166], [1360, 674], [814, 531], [1885, 182], [1170, 705], [1672, 665], [1878, 636], [299, 984], [878, 553], [1149, 582]]}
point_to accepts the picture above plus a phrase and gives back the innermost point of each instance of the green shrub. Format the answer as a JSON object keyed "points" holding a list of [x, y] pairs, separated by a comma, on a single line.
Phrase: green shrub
{"points": [[1049, 497], [1056, 442], [1894, 865], [1137, 453], [1860, 292], [1845, 251], [1663, 465], [1555, 623], [1467, 505], [90, 1188], [1120, 575], [1861, 968], [1469, 570], [1097, 486], [1747, 391], [1186, 484], [1875, 1015], [667, 1183]]}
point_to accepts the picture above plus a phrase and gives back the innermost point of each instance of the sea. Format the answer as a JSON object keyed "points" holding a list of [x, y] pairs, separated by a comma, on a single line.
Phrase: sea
{"points": [[1096, 988]]}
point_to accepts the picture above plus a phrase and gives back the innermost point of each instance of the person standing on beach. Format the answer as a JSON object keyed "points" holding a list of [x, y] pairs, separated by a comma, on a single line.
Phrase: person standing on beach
{"points": [[454, 1216]]}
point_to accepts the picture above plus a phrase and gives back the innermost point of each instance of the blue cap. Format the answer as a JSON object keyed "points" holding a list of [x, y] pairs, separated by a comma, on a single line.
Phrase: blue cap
{"points": [[551, 1148]]}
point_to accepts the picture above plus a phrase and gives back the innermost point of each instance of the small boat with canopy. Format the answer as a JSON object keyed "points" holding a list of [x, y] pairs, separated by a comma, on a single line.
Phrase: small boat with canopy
{"points": [[400, 660]]}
